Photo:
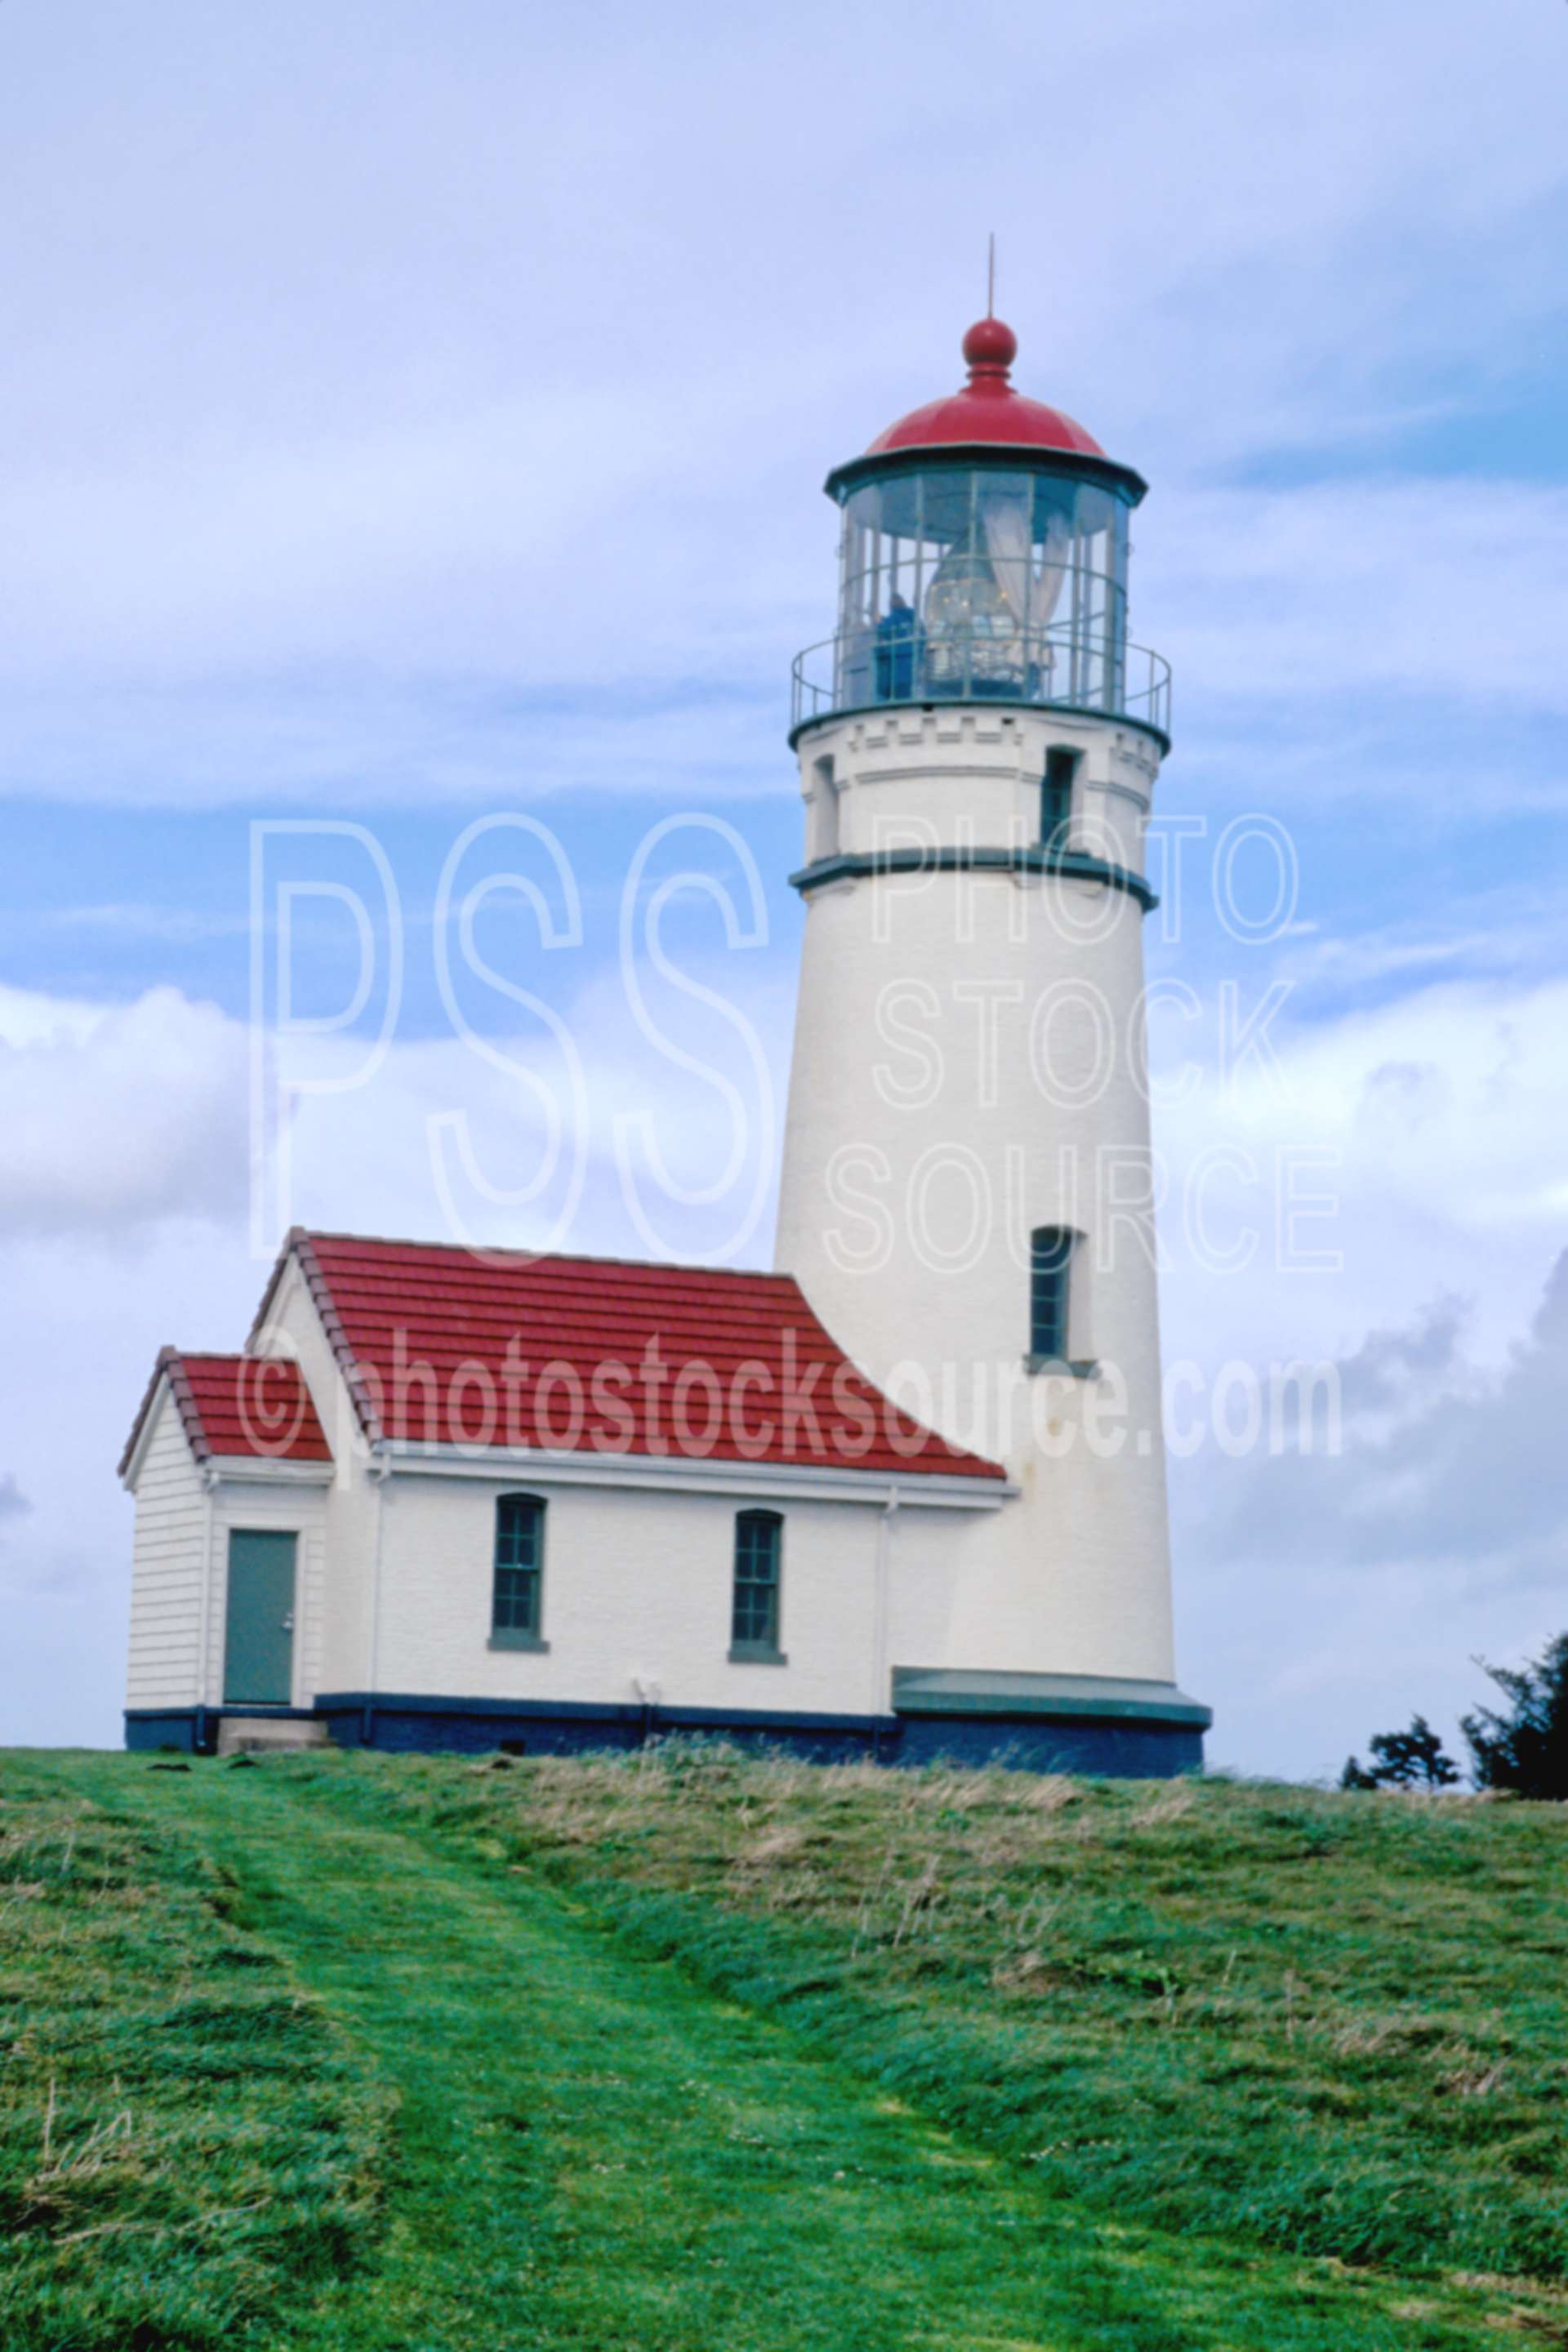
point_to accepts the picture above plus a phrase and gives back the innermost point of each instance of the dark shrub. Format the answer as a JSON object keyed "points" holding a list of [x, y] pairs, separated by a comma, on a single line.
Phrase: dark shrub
{"points": [[1404, 1759], [1525, 1747]]}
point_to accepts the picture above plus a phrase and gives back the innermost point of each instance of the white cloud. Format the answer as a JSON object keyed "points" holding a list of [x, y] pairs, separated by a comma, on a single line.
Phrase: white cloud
{"points": [[124, 1118], [1444, 1461], [1439, 593], [405, 380], [130, 920], [1333, 1597], [1322, 1598], [118, 1117], [1441, 1112]]}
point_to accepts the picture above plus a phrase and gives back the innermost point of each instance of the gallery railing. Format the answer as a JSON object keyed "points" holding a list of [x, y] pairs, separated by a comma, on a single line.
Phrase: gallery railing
{"points": [[896, 660]]}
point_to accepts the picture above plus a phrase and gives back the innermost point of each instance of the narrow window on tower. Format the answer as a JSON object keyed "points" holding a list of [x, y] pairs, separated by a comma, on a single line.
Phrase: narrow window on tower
{"points": [[754, 1604], [1050, 1294], [827, 796], [518, 1591], [1056, 798]]}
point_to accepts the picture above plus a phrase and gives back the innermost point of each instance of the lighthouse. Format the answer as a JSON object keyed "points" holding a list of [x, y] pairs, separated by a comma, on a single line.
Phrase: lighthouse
{"points": [[967, 1194], [902, 1498]]}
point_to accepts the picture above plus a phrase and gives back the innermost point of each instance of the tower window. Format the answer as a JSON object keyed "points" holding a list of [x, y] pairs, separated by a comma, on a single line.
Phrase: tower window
{"points": [[754, 1608], [1056, 797], [1050, 1275], [517, 1599], [827, 809]]}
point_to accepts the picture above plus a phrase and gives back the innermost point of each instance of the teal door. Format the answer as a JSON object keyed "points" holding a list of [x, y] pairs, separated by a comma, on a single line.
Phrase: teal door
{"points": [[258, 1647]]}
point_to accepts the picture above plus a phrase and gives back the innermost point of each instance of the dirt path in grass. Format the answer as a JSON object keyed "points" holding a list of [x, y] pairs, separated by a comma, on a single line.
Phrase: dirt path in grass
{"points": [[592, 2152]]}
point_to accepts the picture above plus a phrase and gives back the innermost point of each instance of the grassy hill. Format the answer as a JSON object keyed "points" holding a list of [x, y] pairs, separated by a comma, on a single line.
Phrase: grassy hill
{"points": [[683, 2049]]}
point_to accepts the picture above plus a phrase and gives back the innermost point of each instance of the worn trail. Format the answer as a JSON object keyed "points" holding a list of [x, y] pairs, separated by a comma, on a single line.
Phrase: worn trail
{"points": [[591, 2151]]}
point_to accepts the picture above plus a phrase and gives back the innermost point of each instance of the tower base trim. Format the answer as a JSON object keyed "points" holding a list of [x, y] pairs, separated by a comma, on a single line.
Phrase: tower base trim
{"points": [[1060, 1698], [1105, 1726]]}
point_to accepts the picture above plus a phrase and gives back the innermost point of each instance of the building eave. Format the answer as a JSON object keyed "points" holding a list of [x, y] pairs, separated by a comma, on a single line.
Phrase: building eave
{"points": [[250, 1469], [1010, 456], [914, 1489], [299, 1249], [142, 1429]]}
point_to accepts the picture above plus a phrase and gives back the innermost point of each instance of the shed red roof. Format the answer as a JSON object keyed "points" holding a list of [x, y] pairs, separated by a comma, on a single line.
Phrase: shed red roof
{"points": [[443, 1345], [246, 1405], [987, 409]]}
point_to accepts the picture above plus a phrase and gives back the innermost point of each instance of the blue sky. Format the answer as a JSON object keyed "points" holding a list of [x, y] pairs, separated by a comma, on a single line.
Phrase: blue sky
{"points": [[411, 416]]}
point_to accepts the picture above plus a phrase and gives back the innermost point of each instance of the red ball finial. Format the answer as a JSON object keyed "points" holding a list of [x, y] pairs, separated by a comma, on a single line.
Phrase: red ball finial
{"points": [[990, 347]]}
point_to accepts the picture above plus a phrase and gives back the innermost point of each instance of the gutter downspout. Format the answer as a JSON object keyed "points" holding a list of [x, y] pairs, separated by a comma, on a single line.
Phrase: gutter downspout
{"points": [[649, 1693], [380, 1465]]}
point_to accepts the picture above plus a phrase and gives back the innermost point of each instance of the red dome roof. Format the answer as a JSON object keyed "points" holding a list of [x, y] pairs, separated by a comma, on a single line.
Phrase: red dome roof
{"points": [[987, 409]]}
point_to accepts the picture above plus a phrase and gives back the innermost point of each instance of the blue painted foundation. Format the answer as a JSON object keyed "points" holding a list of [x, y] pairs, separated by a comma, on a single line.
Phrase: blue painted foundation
{"points": [[182, 1728], [193, 1730], [458, 1727], [409, 1724], [1101, 1750]]}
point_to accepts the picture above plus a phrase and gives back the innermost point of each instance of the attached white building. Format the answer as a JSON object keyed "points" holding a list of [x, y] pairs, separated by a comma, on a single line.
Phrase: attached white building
{"points": [[457, 1501]]}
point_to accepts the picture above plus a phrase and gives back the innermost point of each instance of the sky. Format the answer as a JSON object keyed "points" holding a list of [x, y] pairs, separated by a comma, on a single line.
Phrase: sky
{"points": [[416, 416]]}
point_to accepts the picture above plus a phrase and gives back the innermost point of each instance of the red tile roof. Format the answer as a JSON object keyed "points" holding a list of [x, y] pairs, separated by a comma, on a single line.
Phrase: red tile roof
{"points": [[446, 1346], [229, 1405]]}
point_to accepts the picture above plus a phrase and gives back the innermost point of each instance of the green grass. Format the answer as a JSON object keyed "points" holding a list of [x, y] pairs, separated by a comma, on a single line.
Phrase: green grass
{"points": [[683, 2050], [184, 2136], [1339, 2024]]}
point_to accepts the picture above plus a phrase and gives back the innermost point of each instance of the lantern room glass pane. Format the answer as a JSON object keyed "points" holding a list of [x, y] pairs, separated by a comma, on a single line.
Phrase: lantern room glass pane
{"points": [[983, 582]]}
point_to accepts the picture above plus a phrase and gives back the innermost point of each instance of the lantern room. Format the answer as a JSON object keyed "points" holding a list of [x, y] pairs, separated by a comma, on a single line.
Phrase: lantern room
{"points": [[983, 559]]}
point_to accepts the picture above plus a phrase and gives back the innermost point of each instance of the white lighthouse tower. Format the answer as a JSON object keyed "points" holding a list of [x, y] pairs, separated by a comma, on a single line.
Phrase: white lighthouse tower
{"points": [[967, 1194]]}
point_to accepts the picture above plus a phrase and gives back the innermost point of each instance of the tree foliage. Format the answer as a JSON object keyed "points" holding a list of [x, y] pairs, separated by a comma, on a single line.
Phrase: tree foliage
{"points": [[1524, 1747], [1404, 1759]]}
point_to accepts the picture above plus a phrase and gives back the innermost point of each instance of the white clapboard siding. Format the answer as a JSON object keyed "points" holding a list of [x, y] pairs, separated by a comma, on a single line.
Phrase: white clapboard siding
{"points": [[168, 1563]]}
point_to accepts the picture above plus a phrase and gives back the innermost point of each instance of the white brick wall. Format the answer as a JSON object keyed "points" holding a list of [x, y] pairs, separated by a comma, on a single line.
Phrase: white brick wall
{"points": [[635, 1583]]}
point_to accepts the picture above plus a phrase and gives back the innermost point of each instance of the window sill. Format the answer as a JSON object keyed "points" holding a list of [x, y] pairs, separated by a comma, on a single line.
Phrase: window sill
{"points": [[757, 1653], [508, 1638], [1067, 1368]]}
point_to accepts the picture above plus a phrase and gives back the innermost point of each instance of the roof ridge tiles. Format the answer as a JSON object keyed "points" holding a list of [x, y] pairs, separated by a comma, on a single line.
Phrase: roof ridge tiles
{"points": [[484, 1259]]}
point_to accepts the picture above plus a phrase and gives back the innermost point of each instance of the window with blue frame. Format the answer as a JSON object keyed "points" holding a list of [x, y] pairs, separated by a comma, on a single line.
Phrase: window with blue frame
{"points": [[754, 1607], [517, 1606], [1050, 1289]]}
